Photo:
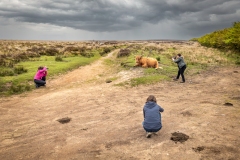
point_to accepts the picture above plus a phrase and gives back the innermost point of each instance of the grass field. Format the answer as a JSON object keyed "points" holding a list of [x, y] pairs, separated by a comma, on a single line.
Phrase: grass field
{"points": [[27, 56]]}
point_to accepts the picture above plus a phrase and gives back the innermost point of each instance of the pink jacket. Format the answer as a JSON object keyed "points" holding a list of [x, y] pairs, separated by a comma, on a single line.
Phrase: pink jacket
{"points": [[40, 73]]}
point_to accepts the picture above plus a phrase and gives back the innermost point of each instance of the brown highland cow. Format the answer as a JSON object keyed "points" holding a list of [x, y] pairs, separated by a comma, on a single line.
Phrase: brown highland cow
{"points": [[146, 62]]}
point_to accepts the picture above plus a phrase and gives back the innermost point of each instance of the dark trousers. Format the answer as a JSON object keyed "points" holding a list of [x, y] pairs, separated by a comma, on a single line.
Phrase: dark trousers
{"points": [[44, 78], [152, 130], [181, 72], [39, 82]]}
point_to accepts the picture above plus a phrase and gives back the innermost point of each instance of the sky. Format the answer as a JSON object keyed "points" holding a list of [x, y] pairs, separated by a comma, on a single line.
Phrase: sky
{"points": [[114, 19]]}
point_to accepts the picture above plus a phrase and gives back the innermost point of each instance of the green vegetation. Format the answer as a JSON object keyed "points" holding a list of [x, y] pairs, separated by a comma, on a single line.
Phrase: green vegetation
{"points": [[106, 50], [19, 60], [223, 39], [150, 79], [150, 75], [197, 59], [227, 40], [59, 58], [24, 81]]}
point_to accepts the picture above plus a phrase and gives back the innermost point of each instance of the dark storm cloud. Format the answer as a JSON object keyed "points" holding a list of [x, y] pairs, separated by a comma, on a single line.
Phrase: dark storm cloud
{"points": [[118, 15], [86, 15]]}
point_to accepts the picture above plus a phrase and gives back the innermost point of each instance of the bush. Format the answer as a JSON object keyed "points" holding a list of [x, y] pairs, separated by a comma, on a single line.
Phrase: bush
{"points": [[71, 48], [2, 88], [33, 54], [77, 51], [105, 51], [2, 61], [17, 57], [34, 49], [150, 79], [51, 52], [19, 70], [123, 52], [6, 72], [19, 88], [58, 58], [158, 59], [227, 39], [87, 54]]}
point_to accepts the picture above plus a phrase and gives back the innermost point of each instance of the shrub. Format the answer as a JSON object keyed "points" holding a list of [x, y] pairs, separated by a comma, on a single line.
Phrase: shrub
{"points": [[150, 79], [87, 54], [17, 57], [76, 51], [19, 70], [227, 39], [71, 48], [151, 48], [33, 49], [33, 54], [158, 59], [58, 58], [19, 88], [2, 88], [2, 62], [160, 50], [51, 51], [82, 49], [6, 72], [105, 51], [123, 52]]}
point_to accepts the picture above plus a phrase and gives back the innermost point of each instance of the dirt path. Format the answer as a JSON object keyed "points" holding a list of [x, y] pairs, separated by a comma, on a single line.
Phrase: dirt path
{"points": [[106, 120]]}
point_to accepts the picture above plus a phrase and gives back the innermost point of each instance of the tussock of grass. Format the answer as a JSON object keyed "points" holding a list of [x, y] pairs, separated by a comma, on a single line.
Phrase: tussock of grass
{"points": [[151, 79], [145, 80]]}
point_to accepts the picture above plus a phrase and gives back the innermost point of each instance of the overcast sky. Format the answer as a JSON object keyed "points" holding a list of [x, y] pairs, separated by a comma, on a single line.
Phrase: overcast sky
{"points": [[114, 19]]}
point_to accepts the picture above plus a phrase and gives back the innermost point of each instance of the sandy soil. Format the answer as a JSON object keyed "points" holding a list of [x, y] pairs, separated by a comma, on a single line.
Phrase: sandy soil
{"points": [[106, 120]]}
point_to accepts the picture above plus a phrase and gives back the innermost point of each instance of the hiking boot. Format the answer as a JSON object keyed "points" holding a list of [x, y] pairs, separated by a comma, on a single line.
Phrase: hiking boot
{"points": [[175, 79], [149, 134], [182, 82]]}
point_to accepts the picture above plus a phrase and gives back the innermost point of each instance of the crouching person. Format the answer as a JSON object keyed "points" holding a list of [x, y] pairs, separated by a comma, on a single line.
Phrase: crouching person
{"points": [[40, 77], [152, 116]]}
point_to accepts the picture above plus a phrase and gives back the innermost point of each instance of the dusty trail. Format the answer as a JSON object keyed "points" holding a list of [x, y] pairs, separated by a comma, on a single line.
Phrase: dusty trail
{"points": [[106, 120]]}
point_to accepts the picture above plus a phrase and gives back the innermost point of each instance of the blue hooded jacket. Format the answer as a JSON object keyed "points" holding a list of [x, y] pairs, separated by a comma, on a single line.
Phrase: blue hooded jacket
{"points": [[152, 115]]}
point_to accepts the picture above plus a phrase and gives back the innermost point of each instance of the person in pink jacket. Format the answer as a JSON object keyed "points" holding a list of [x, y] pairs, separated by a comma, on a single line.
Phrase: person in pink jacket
{"points": [[40, 76]]}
